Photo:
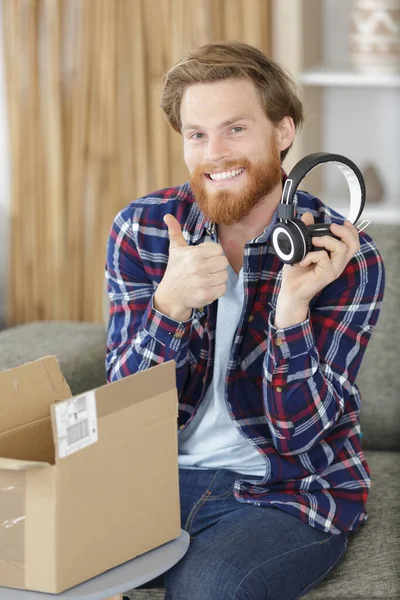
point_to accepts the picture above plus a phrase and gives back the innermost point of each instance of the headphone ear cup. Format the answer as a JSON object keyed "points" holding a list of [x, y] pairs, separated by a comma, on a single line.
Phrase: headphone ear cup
{"points": [[306, 236], [291, 241]]}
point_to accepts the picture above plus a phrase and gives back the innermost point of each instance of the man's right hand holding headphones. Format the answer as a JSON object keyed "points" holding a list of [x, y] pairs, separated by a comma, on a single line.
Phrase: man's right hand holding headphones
{"points": [[302, 281]]}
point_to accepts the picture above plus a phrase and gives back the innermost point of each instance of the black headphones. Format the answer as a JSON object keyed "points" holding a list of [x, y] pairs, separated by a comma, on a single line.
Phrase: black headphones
{"points": [[290, 237]]}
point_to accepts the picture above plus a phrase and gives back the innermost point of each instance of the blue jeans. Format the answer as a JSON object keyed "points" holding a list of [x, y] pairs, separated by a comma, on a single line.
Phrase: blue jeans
{"points": [[244, 552]]}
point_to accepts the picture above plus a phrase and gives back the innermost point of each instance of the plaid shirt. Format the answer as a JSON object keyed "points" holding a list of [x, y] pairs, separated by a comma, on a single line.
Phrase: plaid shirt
{"points": [[290, 391]]}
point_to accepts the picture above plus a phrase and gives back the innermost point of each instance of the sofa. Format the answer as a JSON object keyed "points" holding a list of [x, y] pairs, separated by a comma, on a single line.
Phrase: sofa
{"points": [[371, 566]]}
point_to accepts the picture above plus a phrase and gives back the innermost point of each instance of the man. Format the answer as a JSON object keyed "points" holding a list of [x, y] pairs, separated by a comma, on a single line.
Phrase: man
{"points": [[272, 475]]}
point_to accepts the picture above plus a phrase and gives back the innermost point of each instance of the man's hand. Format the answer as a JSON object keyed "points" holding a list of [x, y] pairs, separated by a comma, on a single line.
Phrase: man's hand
{"points": [[195, 275], [302, 281]]}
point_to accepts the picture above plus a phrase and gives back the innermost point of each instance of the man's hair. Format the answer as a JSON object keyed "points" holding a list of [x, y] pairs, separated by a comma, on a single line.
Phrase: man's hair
{"points": [[233, 60]]}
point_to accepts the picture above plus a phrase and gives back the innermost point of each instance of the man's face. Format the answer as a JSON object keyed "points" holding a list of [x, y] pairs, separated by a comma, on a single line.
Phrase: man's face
{"points": [[230, 148]]}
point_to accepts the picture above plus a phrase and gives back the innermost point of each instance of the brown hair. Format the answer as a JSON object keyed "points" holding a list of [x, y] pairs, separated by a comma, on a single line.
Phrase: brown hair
{"points": [[226, 60]]}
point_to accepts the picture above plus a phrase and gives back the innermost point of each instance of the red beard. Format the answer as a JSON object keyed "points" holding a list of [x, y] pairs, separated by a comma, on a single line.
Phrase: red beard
{"points": [[229, 207]]}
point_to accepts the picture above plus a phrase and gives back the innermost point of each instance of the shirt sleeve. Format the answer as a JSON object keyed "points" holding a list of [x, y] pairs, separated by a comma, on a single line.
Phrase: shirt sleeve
{"points": [[138, 335], [310, 368]]}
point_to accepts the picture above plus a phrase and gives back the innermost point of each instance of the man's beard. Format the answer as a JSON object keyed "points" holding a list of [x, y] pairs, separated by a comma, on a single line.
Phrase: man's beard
{"points": [[227, 207]]}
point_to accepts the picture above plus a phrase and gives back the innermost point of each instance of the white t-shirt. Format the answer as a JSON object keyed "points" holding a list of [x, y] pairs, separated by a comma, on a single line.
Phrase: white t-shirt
{"points": [[211, 440]]}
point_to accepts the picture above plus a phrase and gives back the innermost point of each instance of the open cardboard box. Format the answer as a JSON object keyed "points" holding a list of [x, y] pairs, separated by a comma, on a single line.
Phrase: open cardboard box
{"points": [[85, 484]]}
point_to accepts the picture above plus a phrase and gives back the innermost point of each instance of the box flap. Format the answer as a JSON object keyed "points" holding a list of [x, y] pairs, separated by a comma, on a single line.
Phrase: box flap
{"points": [[32, 442], [27, 391], [137, 388], [13, 464]]}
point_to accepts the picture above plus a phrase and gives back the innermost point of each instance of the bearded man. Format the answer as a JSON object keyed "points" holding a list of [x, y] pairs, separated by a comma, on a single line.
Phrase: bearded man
{"points": [[272, 474]]}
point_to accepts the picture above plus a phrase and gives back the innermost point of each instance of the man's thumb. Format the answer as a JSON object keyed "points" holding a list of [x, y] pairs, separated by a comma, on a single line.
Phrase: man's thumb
{"points": [[174, 231]]}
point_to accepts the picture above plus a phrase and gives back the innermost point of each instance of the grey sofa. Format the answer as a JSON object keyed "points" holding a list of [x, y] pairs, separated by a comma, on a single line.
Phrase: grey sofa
{"points": [[371, 566]]}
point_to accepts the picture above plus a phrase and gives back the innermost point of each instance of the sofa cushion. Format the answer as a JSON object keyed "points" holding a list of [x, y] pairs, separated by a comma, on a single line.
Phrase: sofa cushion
{"points": [[378, 378], [79, 347]]}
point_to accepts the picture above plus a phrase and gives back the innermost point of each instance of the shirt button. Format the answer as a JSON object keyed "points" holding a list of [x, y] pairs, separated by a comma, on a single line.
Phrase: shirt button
{"points": [[279, 389], [179, 334], [250, 318], [278, 342]]}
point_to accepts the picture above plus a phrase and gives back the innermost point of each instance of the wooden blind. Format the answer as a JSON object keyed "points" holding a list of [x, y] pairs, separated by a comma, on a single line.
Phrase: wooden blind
{"points": [[87, 135]]}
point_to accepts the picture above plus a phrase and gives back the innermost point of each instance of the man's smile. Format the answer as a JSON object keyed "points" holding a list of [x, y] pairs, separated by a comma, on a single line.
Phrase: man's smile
{"points": [[221, 176]]}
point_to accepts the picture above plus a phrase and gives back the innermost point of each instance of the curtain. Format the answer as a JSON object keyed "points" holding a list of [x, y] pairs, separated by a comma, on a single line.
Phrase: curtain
{"points": [[86, 132]]}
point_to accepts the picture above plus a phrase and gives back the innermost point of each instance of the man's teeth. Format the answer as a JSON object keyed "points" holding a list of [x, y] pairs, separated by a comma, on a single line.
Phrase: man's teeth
{"points": [[226, 174]]}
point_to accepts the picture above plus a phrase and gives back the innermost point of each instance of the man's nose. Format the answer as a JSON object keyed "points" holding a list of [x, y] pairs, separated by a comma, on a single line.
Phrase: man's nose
{"points": [[217, 149]]}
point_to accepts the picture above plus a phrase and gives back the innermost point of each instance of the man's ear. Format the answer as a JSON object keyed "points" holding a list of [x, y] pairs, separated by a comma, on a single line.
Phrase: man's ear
{"points": [[285, 132]]}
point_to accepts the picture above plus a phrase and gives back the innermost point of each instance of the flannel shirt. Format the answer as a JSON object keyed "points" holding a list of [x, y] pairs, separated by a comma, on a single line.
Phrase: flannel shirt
{"points": [[291, 391]]}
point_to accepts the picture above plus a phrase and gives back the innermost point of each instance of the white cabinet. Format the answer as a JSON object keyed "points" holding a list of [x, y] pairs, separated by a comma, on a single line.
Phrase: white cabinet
{"points": [[347, 112]]}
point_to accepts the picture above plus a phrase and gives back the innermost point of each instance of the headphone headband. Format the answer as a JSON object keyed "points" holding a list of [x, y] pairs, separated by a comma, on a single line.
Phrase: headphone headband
{"points": [[352, 173]]}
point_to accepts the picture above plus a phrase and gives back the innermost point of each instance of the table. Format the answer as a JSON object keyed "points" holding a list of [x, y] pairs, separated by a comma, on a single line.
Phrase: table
{"points": [[123, 578]]}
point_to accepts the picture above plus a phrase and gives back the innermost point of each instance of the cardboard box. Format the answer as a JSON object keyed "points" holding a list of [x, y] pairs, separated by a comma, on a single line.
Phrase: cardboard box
{"points": [[66, 519]]}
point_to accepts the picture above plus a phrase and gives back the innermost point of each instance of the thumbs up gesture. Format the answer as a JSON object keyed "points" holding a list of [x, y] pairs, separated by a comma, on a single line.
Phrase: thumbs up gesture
{"points": [[195, 275], [174, 233]]}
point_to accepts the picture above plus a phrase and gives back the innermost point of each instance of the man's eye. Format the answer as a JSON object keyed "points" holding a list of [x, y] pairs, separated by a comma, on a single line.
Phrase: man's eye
{"points": [[197, 136], [237, 129]]}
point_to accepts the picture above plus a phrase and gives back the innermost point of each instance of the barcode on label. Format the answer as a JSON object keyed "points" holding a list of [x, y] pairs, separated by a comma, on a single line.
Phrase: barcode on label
{"points": [[76, 423], [77, 432]]}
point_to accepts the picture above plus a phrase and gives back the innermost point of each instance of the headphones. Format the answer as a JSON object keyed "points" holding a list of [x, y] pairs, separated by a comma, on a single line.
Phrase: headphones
{"points": [[290, 237]]}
